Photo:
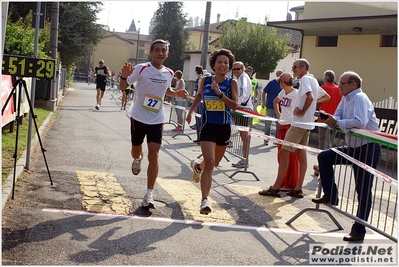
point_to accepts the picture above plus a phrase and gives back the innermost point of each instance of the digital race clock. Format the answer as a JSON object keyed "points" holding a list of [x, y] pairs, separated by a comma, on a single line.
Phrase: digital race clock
{"points": [[28, 66]]}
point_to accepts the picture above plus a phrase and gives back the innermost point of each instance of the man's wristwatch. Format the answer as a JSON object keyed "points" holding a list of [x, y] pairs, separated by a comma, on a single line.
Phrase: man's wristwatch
{"points": [[123, 78]]}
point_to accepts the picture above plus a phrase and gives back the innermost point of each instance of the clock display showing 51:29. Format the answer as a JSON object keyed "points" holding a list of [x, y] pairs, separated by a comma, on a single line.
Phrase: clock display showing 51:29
{"points": [[28, 66]]}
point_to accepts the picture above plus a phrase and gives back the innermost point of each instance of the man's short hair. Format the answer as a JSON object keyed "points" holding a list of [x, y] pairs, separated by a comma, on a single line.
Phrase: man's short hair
{"points": [[159, 41], [329, 75]]}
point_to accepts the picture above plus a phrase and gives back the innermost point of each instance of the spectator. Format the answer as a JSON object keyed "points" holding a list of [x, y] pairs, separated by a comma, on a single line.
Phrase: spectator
{"points": [[305, 107], [325, 135], [89, 76], [180, 84], [270, 92], [354, 111], [250, 71], [285, 102], [245, 102]]}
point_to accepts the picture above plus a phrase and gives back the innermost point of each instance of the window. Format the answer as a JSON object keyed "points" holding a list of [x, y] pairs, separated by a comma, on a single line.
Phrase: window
{"points": [[210, 38], [389, 41], [142, 44], [323, 41]]}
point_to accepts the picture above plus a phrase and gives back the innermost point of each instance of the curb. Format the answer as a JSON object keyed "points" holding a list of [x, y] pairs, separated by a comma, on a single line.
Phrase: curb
{"points": [[20, 166]]}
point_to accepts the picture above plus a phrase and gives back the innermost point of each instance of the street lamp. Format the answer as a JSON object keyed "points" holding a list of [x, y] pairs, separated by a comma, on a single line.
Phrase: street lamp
{"points": [[138, 42]]}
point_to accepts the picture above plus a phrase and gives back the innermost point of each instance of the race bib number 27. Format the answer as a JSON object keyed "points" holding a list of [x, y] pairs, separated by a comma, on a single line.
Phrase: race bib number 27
{"points": [[152, 103]]}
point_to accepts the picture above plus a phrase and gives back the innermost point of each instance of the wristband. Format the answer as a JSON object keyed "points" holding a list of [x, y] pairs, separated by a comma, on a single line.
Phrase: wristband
{"points": [[123, 78], [221, 95]]}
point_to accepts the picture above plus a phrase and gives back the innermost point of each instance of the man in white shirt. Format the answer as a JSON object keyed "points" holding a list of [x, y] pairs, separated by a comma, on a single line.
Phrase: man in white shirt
{"points": [[245, 102]]}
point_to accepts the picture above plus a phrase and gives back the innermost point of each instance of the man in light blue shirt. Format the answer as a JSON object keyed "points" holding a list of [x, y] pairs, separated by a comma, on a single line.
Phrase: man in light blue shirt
{"points": [[354, 111]]}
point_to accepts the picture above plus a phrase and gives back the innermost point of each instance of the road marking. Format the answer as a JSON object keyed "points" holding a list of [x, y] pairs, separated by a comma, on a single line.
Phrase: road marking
{"points": [[189, 197], [228, 226], [102, 193], [279, 209]]}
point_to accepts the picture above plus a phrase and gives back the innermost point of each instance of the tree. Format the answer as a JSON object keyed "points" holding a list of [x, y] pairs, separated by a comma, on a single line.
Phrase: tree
{"points": [[254, 44], [170, 24], [78, 32]]}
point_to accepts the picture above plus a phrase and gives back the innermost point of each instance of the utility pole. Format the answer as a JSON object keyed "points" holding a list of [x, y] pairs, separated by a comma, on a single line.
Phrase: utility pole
{"points": [[204, 50], [138, 43], [55, 9], [33, 89]]}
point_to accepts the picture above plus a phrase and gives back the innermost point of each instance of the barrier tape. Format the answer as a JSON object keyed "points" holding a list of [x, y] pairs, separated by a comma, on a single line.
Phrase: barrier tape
{"points": [[387, 140], [387, 179]]}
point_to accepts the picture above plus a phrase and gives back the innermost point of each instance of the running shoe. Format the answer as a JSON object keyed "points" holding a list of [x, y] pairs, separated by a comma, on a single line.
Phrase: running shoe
{"points": [[97, 107], [240, 164], [177, 129], [136, 165], [196, 171], [205, 208], [148, 201]]}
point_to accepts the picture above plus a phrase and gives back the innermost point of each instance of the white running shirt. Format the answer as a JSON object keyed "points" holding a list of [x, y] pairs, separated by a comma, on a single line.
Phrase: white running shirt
{"points": [[308, 83], [151, 85]]}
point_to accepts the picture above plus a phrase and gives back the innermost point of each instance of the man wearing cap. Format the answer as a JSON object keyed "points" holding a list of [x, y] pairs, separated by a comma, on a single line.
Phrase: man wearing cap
{"points": [[270, 92]]}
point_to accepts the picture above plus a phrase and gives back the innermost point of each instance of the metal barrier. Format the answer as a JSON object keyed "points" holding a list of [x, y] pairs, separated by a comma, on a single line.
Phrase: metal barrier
{"points": [[383, 213], [242, 120], [178, 114]]}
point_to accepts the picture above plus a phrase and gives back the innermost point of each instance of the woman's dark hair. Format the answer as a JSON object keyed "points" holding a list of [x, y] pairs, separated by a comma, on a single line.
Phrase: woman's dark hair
{"points": [[213, 56], [198, 69]]}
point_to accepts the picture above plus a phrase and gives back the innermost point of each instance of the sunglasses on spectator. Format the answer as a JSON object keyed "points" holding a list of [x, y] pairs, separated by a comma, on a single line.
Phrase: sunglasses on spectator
{"points": [[236, 68], [294, 67]]}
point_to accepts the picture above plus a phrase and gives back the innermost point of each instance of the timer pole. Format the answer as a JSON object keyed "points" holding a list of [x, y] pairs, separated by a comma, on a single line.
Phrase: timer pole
{"points": [[21, 83], [33, 89]]}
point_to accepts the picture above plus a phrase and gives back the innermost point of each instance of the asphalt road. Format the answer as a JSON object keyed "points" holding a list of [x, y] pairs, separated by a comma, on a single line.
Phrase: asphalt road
{"points": [[91, 214]]}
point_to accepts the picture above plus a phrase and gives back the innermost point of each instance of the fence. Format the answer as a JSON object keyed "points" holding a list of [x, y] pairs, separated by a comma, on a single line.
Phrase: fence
{"points": [[384, 188], [387, 103], [240, 139], [177, 115]]}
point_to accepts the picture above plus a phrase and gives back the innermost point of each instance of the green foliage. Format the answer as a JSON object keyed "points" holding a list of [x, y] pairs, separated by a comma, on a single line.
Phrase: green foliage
{"points": [[20, 38], [78, 31], [169, 24], [254, 44]]}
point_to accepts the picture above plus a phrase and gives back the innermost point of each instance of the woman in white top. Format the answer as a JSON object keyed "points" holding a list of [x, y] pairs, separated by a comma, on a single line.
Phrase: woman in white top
{"points": [[284, 107]]}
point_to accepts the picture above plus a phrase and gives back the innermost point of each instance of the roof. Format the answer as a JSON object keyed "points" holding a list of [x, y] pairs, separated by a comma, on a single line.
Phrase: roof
{"points": [[129, 36], [383, 24], [213, 27]]}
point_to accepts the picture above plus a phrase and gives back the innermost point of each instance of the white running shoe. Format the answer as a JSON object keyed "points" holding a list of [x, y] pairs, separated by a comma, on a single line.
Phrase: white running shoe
{"points": [[136, 165], [196, 173], [240, 164], [205, 209], [148, 201]]}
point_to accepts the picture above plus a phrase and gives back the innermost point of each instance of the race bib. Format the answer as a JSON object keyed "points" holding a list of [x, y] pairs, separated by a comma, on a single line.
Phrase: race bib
{"points": [[152, 103], [215, 105]]}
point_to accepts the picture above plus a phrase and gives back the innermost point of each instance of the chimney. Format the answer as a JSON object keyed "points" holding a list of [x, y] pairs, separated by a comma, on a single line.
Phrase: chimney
{"points": [[217, 18]]}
